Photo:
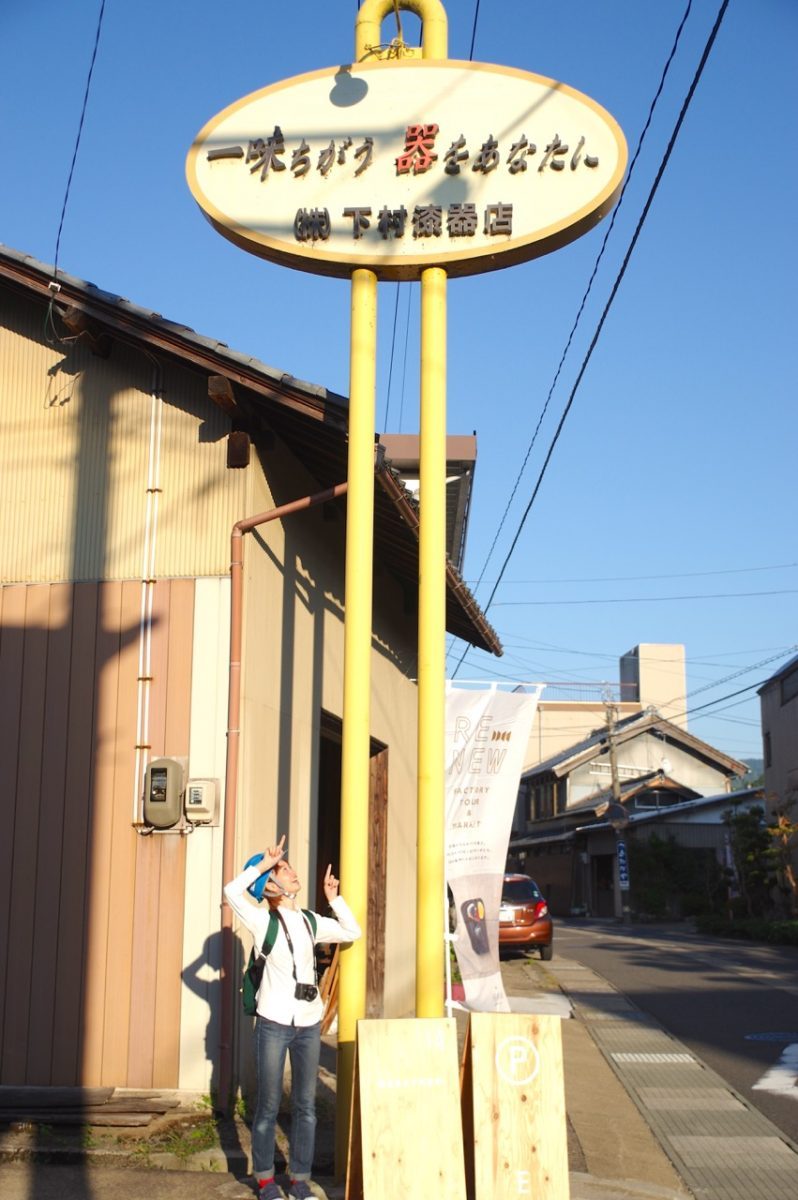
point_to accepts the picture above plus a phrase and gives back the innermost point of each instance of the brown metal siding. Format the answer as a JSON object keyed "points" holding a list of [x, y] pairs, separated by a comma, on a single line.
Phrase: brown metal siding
{"points": [[91, 931], [13, 614], [75, 793], [51, 834], [153, 1043]]}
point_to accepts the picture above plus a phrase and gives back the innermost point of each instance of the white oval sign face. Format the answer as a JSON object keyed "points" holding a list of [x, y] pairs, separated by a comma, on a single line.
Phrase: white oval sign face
{"points": [[399, 167]]}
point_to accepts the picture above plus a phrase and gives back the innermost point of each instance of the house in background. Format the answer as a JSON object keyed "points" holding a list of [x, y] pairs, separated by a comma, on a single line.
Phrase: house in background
{"points": [[567, 842], [778, 699], [651, 675], [130, 447]]}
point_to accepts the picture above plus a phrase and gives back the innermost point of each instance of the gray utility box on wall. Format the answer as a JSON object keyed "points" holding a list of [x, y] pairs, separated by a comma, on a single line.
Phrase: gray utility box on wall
{"points": [[163, 793]]}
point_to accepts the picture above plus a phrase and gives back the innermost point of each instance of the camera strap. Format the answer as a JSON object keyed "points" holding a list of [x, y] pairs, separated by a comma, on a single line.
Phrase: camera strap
{"points": [[281, 919]]}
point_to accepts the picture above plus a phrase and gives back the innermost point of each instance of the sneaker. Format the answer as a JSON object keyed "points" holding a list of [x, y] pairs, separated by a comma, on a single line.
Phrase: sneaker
{"points": [[270, 1191], [299, 1189]]}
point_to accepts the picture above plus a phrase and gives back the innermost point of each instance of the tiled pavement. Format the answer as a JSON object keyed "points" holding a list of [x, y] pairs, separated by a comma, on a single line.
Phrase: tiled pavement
{"points": [[721, 1148]]}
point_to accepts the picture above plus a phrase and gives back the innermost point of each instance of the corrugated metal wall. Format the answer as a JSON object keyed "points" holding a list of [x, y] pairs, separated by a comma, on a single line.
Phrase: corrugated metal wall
{"points": [[92, 913], [81, 441]]}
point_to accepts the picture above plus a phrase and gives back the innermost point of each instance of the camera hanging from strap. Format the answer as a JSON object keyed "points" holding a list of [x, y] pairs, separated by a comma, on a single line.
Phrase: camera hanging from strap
{"points": [[302, 991]]}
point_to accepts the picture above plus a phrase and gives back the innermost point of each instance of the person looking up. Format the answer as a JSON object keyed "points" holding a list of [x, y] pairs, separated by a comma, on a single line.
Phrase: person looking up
{"points": [[289, 1008]]}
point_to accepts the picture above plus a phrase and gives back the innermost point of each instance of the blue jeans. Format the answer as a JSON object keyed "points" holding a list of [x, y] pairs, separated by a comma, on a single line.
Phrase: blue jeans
{"points": [[303, 1044]]}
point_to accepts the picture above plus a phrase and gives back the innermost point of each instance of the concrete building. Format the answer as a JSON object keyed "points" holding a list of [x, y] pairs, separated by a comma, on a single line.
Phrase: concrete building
{"points": [[651, 675], [130, 447]]}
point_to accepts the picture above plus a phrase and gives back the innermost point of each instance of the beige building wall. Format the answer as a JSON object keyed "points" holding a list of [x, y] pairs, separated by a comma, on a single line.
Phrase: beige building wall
{"points": [[96, 453], [292, 670], [658, 673], [651, 675], [559, 724], [201, 948], [114, 474]]}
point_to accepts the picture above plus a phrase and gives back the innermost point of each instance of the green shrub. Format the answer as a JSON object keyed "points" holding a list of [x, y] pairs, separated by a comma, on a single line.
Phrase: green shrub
{"points": [[755, 929]]}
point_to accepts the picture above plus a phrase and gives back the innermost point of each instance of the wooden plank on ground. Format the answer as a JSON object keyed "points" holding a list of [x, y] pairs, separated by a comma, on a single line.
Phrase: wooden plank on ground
{"points": [[52, 1097], [408, 1110], [66, 1116], [513, 1083]]}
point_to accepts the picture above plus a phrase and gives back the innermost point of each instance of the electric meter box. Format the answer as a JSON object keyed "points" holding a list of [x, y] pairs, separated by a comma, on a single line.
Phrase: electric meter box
{"points": [[202, 801], [163, 793]]}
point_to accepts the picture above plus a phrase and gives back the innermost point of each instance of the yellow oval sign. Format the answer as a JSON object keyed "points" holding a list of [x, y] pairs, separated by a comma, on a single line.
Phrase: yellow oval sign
{"points": [[402, 166]]}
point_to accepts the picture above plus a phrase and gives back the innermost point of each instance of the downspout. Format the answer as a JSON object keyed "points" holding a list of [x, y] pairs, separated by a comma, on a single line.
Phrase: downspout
{"points": [[246, 525]]}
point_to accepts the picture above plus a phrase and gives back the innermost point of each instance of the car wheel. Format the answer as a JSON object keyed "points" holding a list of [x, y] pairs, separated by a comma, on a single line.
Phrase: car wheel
{"points": [[546, 952]]}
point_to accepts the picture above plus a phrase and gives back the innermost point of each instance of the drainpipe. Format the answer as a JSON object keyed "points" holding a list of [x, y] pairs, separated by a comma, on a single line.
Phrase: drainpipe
{"points": [[246, 525]]}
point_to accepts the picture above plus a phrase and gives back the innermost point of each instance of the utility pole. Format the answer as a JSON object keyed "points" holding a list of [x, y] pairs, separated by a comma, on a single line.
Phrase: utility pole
{"points": [[619, 819]]}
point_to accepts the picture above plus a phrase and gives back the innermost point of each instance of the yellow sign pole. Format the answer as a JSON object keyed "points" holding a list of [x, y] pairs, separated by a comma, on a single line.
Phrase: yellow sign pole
{"points": [[432, 560], [431, 648], [357, 682], [431, 602], [357, 624]]}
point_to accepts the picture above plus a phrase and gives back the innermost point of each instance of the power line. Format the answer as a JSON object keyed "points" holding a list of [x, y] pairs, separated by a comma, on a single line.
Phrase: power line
{"points": [[474, 32], [641, 599], [588, 289], [689, 712], [640, 578], [404, 359], [390, 366], [743, 671], [77, 139], [646, 209]]}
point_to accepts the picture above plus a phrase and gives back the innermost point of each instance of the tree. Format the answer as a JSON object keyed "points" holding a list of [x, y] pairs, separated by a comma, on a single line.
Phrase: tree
{"points": [[784, 831], [755, 858]]}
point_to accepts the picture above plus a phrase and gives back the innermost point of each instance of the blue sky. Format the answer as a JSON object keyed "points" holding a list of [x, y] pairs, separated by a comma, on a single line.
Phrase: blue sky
{"points": [[674, 474]]}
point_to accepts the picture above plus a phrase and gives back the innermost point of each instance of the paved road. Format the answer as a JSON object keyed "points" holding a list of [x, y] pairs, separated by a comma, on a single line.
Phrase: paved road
{"points": [[725, 1000]]}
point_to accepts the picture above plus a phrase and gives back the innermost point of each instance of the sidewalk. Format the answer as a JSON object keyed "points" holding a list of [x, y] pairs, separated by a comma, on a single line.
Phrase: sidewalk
{"points": [[721, 1147], [612, 1152]]}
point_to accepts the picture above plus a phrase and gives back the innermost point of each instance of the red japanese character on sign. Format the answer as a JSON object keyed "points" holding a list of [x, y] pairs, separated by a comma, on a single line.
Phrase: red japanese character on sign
{"points": [[418, 155]]}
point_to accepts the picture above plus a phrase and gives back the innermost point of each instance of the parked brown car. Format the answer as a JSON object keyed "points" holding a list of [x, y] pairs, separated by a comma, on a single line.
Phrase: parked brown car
{"points": [[524, 921]]}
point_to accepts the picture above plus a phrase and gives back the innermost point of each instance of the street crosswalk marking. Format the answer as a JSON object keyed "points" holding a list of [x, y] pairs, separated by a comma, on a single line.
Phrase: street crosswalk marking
{"points": [[629, 1057], [783, 1077]]}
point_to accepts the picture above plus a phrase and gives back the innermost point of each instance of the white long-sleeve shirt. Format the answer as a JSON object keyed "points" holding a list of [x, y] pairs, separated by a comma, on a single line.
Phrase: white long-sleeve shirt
{"points": [[276, 1000]]}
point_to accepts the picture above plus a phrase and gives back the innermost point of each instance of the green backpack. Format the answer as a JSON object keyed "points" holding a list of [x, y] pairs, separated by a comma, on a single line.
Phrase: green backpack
{"points": [[254, 972]]}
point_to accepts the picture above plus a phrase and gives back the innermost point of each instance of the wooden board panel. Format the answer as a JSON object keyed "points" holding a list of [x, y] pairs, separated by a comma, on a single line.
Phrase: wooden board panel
{"points": [[408, 1109], [513, 1081]]}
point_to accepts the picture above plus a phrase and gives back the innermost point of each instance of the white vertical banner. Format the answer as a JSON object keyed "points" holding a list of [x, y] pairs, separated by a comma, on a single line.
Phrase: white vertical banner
{"points": [[487, 732]]}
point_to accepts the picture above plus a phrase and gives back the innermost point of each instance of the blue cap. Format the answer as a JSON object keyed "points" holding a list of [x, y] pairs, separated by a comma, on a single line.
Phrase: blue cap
{"points": [[257, 888]]}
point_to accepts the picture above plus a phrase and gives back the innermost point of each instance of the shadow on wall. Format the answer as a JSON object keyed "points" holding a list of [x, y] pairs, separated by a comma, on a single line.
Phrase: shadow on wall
{"points": [[203, 977]]}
